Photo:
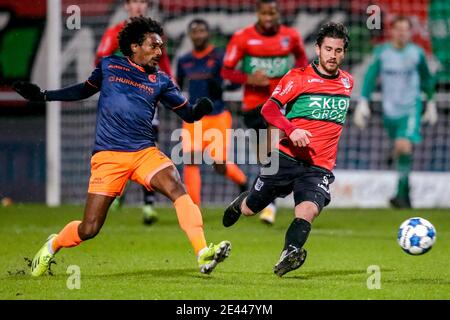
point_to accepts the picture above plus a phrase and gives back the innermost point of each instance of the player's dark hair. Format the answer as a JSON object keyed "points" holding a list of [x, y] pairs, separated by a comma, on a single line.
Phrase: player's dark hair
{"points": [[128, 1], [333, 30], [260, 2], [198, 21], [135, 31], [400, 19]]}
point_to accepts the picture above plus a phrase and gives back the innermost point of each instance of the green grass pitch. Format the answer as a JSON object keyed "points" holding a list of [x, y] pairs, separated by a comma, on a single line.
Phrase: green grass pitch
{"points": [[128, 260]]}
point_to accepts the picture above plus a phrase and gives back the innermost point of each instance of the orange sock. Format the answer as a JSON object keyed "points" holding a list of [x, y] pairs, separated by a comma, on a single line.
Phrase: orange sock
{"points": [[190, 220], [68, 237], [235, 174], [193, 182]]}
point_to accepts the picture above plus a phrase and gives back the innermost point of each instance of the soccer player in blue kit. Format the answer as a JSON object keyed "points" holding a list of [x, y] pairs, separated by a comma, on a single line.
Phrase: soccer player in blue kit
{"points": [[199, 71], [130, 88]]}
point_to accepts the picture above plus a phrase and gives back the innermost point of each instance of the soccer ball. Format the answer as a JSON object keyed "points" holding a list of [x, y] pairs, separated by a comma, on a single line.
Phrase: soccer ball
{"points": [[416, 236]]}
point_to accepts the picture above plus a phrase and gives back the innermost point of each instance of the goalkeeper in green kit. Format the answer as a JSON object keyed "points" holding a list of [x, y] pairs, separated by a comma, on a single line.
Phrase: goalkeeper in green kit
{"points": [[404, 73]]}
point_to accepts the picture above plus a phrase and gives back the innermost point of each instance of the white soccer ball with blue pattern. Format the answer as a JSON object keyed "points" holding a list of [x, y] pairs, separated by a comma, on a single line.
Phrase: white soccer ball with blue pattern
{"points": [[416, 236]]}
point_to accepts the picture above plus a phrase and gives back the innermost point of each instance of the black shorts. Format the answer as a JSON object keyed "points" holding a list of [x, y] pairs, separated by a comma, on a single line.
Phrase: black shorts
{"points": [[309, 183]]}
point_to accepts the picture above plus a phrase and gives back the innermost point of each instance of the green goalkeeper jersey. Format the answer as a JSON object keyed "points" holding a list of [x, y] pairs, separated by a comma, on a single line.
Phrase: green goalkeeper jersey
{"points": [[403, 75]]}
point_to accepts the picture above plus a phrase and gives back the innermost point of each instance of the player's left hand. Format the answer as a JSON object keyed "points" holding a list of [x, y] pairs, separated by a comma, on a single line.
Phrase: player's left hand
{"points": [[29, 91], [300, 137], [203, 107], [430, 116]]}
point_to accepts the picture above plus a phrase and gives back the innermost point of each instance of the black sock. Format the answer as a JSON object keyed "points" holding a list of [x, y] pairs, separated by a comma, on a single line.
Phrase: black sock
{"points": [[297, 233], [149, 197]]}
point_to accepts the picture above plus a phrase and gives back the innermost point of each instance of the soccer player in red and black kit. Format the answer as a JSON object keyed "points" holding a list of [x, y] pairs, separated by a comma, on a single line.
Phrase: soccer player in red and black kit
{"points": [[267, 50], [130, 88], [316, 99], [109, 45]]}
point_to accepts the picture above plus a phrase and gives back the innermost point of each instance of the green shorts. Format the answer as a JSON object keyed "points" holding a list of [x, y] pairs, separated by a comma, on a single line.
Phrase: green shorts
{"points": [[406, 127]]}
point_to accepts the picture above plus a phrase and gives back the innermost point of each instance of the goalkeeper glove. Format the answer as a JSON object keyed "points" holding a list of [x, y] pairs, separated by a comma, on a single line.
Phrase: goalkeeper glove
{"points": [[430, 116], [29, 91], [362, 112], [202, 107]]}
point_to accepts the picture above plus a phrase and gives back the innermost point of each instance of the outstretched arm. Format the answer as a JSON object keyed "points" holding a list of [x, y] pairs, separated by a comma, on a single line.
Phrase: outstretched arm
{"points": [[32, 92], [80, 91]]}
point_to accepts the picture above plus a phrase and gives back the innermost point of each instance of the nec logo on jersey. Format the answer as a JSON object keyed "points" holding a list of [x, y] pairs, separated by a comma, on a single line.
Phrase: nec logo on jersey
{"points": [[152, 78], [285, 42], [346, 82]]}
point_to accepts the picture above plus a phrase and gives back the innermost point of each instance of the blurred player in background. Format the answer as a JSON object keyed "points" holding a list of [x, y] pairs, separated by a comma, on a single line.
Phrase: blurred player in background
{"points": [[110, 45], [201, 68], [403, 72], [267, 50], [125, 147], [317, 98]]}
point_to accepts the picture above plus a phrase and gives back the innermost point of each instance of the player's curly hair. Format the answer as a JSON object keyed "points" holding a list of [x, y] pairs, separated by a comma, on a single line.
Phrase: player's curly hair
{"points": [[135, 31], [333, 30]]}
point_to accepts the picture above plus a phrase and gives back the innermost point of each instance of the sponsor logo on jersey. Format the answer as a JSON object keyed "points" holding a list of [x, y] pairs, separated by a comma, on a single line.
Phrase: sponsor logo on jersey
{"points": [[187, 65], [114, 66], [132, 83], [287, 89], [254, 42], [275, 67], [317, 107], [313, 80], [277, 90]]}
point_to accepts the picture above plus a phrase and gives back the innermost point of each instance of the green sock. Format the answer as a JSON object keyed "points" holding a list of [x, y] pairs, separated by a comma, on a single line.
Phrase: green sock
{"points": [[404, 164]]}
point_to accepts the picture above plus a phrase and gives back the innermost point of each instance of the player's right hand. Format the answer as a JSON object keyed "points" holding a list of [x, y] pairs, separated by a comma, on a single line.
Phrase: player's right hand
{"points": [[362, 113], [299, 137], [29, 91], [258, 79]]}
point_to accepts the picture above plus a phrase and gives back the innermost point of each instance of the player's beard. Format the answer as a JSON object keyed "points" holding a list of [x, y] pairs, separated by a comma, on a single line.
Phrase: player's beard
{"points": [[330, 68]]}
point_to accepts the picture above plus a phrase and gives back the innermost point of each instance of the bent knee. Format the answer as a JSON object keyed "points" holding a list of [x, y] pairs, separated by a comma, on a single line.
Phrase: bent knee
{"points": [[307, 210], [403, 146], [88, 230]]}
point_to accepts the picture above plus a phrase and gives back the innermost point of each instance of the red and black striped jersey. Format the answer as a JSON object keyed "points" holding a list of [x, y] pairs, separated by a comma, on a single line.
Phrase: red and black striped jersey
{"points": [[317, 103]]}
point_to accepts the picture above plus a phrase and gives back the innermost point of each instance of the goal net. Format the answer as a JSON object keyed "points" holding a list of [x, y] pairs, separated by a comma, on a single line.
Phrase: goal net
{"points": [[359, 150]]}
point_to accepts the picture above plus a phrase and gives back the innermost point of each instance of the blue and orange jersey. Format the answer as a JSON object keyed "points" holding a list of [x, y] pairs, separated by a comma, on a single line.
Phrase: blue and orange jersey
{"points": [[127, 103], [202, 72]]}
